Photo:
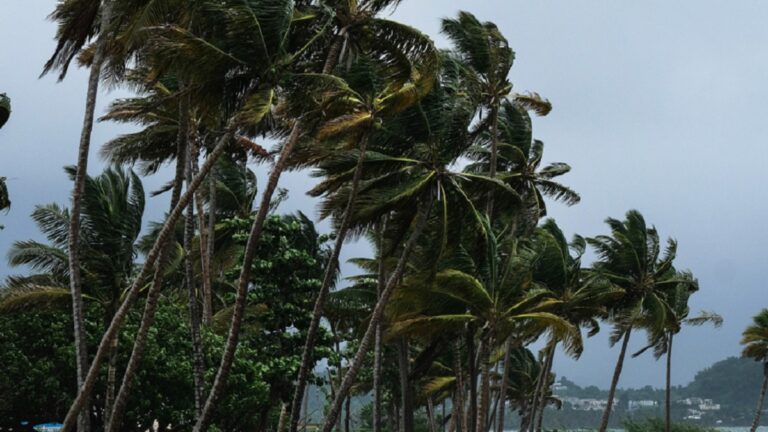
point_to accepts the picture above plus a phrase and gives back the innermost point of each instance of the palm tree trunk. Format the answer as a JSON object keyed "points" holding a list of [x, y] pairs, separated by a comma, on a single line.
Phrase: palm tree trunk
{"points": [[75, 282], [283, 416], [348, 414], [615, 382], [206, 250], [494, 153], [243, 282], [198, 365], [211, 249], [525, 417], [472, 372], [378, 337], [133, 292], [485, 374], [542, 403], [668, 392], [457, 411], [406, 396], [503, 387], [534, 408], [153, 295], [378, 311], [109, 399], [331, 271], [760, 400], [431, 415]]}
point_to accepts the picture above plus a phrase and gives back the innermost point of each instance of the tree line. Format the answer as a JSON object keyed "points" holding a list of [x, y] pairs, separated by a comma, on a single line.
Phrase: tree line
{"points": [[427, 153]]}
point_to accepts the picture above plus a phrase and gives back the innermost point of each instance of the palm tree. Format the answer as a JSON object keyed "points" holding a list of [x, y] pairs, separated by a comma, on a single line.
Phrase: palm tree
{"points": [[631, 259], [407, 168], [111, 213], [582, 299], [498, 300], [755, 339], [359, 115], [71, 38], [485, 60], [677, 297], [518, 164]]}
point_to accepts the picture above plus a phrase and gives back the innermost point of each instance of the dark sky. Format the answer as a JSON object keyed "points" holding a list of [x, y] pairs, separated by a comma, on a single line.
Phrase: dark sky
{"points": [[658, 106]]}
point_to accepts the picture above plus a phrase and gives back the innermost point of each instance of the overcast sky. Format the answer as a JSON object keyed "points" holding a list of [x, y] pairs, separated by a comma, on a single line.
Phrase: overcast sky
{"points": [[658, 106]]}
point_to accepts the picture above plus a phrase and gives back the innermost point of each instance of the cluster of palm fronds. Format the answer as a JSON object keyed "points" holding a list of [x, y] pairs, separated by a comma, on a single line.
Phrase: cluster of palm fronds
{"points": [[428, 153]]}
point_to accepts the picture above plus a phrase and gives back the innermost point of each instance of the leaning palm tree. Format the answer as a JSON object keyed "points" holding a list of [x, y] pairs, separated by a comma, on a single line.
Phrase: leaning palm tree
{"points": [[582, 299], [111, 213], [484, 60], [355, 115], [678, 298], [72, 36], [631, 259], [755, 339], [497, 299]]}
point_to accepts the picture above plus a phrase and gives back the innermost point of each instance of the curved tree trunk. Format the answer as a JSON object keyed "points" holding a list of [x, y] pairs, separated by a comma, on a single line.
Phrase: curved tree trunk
{"points": [[542, 403], [331, 272], [243, 282], [668, 390], [198, 364], [133, 292], [457, 411], [760, 400], [534, 407], [378, 337], [485, 382], [378, 312], [502, 403], [153, 295], [615, 382], [472, 373], [331, 268], [75, 282], [348, 415], [282, 418], [206, 251], [406, 396]]}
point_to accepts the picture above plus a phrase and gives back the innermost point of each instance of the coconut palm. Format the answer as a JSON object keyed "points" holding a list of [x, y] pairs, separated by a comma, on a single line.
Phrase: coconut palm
{"points": [[518, 163], [631, 259], [358, 115], [499, 300], [71, 39], [111, 213], [755, 341], [582, 299], [485, 60]]}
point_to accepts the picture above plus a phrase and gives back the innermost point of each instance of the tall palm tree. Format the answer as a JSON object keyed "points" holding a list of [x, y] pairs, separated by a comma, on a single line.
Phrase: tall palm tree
{"points": [[485, 61], [111, 213], [677, 297], [631, 259], [582, 299], [497, 300], [71, 38], [359, 113], [407, 168], [755, 341]]}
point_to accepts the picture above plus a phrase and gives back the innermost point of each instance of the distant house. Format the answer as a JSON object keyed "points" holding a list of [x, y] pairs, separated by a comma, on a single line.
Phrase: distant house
{"points": [[639, 404], [584, 404]]}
